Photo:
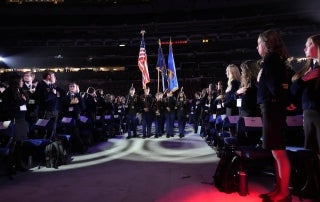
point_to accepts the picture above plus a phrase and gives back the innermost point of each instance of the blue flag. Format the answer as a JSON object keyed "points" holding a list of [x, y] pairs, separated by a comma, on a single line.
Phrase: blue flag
{"points": [[172, 75], [161, 66]]}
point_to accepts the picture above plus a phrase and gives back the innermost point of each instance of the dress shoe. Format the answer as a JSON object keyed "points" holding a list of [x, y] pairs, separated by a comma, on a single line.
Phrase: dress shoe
{"points": [[266, 195], [284, 199], [269, 194], [21, 168]]}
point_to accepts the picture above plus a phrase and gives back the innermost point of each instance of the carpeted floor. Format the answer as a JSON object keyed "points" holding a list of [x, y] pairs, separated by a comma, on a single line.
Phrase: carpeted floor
{"points": [[135, 170]]}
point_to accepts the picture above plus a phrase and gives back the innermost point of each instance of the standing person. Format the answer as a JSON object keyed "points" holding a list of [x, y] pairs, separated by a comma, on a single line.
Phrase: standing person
{"points": [[48, 97], [247, 93], [119, 114], [3, 87], [132, 109], [271, 97], [159, 114], [147, 113], [15, 102], [219, 99], [306, 84], [29, 88], [196, 111], [230, 98], [90, 101], [229, 101], [207, 111], [182, 112], [247, 101], [101, 102], [73, 104], [170, 114], [72, 107]]}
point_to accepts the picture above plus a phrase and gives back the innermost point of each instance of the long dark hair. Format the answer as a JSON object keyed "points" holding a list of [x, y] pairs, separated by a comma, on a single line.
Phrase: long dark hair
{"points": [[14, 86], [274, 43]]}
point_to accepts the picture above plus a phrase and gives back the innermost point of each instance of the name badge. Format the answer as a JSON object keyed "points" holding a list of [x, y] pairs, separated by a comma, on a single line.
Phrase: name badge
{"points": [[116, 116], [23, 108], [214, 116], [83, 119], [70, 109], [239, 101], [66, 120], [219, 106], [32, 102], [42, 122]]}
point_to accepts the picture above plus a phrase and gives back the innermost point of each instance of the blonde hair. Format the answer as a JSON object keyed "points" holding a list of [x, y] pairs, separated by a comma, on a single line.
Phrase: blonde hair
{"points": [[234, 75], [249, 71]]}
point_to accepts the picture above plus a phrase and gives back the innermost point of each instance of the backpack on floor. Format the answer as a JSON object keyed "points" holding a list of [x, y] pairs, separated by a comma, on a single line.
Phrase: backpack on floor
{"points": [[226, 175], [55, 154]]}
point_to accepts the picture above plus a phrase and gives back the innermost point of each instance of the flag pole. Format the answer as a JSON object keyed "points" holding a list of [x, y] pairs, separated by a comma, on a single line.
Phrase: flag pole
{"points": [[158, 81], [158, 90], [142, 32]]}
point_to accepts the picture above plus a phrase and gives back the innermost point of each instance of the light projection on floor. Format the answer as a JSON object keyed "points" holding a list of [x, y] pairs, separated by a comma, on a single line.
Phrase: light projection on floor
{"points": [[189, 150]]}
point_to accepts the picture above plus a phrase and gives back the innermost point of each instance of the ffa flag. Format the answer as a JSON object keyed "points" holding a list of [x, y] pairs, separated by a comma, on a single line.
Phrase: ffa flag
{"points": [[172, 75], [143, 63], [161, 66]]}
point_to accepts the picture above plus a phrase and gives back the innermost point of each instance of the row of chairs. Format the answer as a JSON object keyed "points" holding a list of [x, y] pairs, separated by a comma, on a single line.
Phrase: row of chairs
{"points": [[76, 135], [249, 158], [6, 141], [229, 132]]}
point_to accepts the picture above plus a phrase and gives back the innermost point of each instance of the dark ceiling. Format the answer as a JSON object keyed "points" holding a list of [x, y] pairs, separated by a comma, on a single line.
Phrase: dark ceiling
{"points": [[88, 32]]}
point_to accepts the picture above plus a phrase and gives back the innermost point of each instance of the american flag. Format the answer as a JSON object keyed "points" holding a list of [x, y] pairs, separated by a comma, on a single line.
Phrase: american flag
{"points": [[143, 63]]}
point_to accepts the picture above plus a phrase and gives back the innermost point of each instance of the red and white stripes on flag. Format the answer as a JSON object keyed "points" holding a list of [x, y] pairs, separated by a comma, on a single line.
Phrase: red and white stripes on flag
{"points": [[143, 64]]}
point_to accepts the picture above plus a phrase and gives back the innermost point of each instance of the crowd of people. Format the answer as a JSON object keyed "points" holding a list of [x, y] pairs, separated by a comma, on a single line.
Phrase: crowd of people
{"points": [[267, 87]]}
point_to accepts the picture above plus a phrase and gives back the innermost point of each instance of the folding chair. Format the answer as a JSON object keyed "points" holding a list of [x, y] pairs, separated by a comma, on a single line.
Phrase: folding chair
{"points": [[41, 134], [227, 142], [6, 140], [253, 157]]}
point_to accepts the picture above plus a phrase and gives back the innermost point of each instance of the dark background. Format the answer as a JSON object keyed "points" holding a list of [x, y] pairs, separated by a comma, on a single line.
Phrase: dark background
{"points": [[88, 32]]}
